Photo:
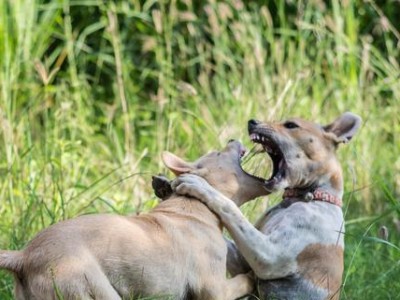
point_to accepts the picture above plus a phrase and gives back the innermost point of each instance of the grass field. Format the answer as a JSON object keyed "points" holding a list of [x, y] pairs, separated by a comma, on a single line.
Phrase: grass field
{"points": [[93, 91]]}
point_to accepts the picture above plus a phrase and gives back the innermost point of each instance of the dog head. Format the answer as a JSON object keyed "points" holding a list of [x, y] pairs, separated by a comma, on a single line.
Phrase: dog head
{"points": [[302, 152], [222, 170]]}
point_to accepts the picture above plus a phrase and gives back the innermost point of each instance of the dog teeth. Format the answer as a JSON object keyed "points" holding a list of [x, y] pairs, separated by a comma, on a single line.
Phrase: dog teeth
{"points": [[257, 138], [281, 164], [254, 137]]}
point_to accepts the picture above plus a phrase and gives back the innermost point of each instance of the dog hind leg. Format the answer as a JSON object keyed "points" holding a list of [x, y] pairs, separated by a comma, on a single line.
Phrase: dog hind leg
{"points": [[99, 286]]}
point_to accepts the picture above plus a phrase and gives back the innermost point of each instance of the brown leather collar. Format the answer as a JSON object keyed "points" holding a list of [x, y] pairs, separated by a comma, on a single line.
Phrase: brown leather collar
{"points": [[316, 195]]}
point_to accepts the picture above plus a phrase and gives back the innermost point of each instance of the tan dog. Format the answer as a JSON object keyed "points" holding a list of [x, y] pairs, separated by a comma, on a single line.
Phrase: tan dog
{"points": [[296, 249], [176, 250]]}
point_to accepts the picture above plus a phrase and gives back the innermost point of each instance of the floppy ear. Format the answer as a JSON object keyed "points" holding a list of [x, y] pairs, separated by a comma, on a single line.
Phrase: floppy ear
{"points": [[344, 127], [175, 164]]}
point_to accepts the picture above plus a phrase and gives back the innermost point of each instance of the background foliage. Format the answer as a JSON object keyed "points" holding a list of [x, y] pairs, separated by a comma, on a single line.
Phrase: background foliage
{"points": [[92, 91]]}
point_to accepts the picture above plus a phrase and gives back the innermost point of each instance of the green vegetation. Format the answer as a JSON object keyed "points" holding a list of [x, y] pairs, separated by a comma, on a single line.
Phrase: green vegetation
{"points": [[92, 91]]}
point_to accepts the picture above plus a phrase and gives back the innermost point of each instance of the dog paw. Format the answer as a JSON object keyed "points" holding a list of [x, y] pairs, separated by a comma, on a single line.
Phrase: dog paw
{"points": [[193, 186]]}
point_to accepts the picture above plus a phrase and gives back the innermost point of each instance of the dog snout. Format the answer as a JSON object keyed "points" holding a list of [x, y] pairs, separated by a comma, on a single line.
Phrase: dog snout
{"points": [[234, 144], [237, 146], [252, 124]]}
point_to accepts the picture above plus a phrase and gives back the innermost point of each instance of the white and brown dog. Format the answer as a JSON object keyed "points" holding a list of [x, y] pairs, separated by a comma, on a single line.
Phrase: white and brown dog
{"points": [[176, 251], [296, 249]]}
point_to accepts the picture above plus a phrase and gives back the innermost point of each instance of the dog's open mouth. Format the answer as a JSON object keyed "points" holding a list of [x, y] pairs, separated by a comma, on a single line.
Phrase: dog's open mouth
{"points": [[276, 155], [243, 155]]}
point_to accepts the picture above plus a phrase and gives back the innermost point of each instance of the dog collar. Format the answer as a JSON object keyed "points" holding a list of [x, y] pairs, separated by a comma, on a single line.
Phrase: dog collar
{"points": [[316, 195]]}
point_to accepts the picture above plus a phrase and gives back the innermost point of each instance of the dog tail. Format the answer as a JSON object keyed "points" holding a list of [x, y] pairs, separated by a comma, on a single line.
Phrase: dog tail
{"points": [[11, 260]]}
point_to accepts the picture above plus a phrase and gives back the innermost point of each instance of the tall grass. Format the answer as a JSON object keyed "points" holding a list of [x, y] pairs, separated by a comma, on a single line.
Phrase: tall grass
{"points": [[92, 92]]}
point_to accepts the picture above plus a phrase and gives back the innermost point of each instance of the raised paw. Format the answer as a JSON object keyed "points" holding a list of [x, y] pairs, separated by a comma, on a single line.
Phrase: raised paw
{"points": [[193, 186]]}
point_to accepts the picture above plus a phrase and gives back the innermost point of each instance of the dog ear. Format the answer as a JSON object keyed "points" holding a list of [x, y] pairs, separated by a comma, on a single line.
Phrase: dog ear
{"points": [[177, 165], [344, 127]]}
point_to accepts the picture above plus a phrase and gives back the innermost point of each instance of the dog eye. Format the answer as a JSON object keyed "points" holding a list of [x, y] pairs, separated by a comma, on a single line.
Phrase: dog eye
{"points": [[290, 125]]}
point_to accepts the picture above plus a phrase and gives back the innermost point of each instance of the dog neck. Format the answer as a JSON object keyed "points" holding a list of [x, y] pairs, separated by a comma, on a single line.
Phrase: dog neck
{"points": [[188, 207], [313, 194]]}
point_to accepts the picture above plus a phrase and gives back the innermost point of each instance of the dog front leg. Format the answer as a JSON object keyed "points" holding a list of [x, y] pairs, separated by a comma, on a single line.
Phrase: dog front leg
{"points": [[269, 257]]}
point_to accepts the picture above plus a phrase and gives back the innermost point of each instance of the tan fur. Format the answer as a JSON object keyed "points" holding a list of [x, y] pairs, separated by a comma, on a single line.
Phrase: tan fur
{"points": [[323, 266], [296, 248], [176, 250]]}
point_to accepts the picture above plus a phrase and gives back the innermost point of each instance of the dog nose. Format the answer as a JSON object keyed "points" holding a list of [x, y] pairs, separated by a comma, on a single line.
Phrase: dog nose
{"points": [[252, 124], [232, 143]]}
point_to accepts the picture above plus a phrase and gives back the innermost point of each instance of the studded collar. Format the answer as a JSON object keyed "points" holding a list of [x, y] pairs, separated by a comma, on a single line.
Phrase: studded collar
{"points": [[315, 195]]}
